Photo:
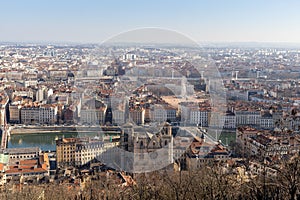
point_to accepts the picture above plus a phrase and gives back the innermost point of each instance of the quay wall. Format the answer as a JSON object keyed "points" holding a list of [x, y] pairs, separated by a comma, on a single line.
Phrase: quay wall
{"points": [[61, 129]]}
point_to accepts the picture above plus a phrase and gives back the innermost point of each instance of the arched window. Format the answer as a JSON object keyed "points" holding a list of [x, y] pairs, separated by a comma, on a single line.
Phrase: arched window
{"points": [[141, 144], [166, 142]]}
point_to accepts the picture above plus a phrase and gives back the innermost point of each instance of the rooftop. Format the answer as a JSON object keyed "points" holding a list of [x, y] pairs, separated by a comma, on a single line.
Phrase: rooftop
{"points": [[23, 150]]}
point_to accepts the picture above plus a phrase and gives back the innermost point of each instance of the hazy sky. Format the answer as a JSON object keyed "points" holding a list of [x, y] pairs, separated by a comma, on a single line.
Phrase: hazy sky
{"points": [[202, 20]]}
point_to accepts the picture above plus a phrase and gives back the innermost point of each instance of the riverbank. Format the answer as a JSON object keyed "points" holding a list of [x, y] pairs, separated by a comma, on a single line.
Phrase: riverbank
{"points": [[61, 129]]}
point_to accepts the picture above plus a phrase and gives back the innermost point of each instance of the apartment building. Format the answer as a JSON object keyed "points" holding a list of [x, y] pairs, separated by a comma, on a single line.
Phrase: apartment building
{"points": [[118, 116], [200, 117], [162, 113], [266, 142], [38, 115], [137, 115], [93, 116], [77, 152], [3, 108], [14, 114], [247, 117], [225, 120], [93, 112]]}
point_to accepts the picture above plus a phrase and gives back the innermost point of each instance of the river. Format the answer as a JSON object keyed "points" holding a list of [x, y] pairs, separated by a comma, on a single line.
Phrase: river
{"points": [[46, 141]]}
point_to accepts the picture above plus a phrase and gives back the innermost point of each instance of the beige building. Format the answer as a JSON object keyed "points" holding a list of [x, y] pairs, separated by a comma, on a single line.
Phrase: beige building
{"points": [[3, 108], [77, 152], [40, 115], [266, 142], [65, 151], [225, 120], [93, 112], [162, 113], [247, 117], [118, 117], [137, 115], [21, 164], [14, 114], [93, 116], [23, 153], [200, 117], [203, 151]]}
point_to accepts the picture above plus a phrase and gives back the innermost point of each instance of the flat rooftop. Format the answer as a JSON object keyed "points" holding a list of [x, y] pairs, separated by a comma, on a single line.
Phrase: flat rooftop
{"points": [[22, 150]]}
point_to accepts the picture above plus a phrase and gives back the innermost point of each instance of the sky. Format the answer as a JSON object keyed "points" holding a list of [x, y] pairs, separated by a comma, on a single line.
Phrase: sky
{"points": [[95, 21]]}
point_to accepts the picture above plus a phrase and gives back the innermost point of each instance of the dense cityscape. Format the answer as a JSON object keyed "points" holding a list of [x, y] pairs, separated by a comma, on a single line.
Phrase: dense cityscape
{"points": [[150, 100], [104, 121]]}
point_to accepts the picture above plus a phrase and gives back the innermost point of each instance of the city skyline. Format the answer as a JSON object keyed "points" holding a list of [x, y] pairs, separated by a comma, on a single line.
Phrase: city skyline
{"points": [[203, 21], [150, 100]]}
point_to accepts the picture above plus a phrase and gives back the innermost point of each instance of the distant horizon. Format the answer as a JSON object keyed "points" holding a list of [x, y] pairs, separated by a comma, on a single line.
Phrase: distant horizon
{"points": [[200, 43]]}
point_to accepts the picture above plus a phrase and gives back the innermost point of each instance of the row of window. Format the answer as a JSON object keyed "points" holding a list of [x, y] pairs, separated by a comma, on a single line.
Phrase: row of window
{"points": [[23, 156]]}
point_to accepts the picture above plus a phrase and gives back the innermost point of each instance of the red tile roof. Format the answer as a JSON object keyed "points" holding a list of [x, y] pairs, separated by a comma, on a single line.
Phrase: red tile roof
{"points": [[21, 171]]}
